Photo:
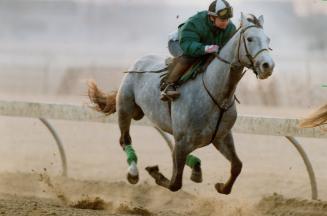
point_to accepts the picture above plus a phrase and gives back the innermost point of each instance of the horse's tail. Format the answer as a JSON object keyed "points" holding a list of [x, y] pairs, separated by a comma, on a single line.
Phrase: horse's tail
{"points": [[102, 102], [319, 117]]}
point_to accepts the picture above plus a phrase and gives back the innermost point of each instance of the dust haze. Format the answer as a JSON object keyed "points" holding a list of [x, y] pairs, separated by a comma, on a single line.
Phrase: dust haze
{"points": [[49, 49]]}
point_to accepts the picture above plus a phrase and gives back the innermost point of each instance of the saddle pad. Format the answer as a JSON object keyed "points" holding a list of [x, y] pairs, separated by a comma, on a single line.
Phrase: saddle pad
{"points": [[198, 67]]}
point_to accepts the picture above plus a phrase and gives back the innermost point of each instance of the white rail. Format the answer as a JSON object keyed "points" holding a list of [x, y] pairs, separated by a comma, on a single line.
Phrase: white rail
{"points": [[244, 124]]}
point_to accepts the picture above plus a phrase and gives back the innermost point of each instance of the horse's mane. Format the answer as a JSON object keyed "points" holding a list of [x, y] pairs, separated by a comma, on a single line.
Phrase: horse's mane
{"points": [[253, 19], [318, 118]]}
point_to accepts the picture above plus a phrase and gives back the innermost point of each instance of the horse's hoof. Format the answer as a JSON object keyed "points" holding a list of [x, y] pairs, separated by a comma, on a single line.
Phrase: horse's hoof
{"points": [[132, 179], [175, 188], [196, 175], [152, 169], [220, 187]]}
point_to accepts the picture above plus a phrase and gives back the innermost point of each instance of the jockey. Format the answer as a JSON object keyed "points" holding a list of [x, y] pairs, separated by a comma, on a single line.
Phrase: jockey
{"points": [[201, 34]]}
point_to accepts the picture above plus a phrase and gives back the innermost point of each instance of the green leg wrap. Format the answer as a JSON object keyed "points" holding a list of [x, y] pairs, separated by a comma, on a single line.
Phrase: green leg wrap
{"points": [[130, 153], [191, 161]]}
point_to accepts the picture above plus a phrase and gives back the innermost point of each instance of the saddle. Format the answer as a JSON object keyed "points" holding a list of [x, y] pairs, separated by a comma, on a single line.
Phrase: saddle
{"points": [[199, 66]]}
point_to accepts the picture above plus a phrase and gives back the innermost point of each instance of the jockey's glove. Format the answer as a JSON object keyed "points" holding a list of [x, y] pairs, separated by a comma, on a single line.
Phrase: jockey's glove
{"points": [[211, 48]]}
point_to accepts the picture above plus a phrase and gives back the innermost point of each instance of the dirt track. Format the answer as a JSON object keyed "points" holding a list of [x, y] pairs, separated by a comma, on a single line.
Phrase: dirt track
{"points": [[145, 199], [97, 168]]}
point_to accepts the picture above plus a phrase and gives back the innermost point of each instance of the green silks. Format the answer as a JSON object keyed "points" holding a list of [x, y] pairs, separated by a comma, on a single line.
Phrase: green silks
{"points": [[191, 161], [130, 153]]}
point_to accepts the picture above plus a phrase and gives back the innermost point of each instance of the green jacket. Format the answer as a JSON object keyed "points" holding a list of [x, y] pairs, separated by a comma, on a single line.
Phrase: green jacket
{"points": [[199, 31]]}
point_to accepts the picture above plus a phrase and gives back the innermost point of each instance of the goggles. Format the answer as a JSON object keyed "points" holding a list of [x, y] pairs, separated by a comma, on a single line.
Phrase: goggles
{"points": [[225, 13]]}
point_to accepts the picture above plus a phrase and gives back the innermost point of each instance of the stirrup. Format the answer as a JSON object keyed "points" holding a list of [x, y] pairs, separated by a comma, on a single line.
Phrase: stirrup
{"points": [[164, 96]]}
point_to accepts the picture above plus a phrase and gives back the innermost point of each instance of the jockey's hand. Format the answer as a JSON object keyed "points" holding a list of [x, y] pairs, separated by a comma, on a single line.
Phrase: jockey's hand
{"points": [[211, 48]]}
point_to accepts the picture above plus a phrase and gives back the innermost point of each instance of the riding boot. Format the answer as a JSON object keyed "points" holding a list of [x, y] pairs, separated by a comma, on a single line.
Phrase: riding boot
{"points": [[177, 71]]}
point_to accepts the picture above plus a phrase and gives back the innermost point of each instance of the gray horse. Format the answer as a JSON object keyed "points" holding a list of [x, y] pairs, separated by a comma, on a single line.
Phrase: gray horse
{"points": [[204, 114]]}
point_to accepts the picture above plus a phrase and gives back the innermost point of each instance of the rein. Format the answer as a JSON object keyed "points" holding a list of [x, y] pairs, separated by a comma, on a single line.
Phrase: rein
{"points": [[141, 72], [252, 66], [222, 109]]}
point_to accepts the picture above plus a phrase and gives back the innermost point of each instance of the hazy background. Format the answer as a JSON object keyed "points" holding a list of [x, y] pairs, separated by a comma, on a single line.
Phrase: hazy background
{"points": [[50, 47]]}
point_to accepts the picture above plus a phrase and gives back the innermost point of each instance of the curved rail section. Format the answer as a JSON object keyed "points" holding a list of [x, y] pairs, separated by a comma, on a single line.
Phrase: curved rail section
{"points": [[59, 145], [314, 188], [244, 124]]}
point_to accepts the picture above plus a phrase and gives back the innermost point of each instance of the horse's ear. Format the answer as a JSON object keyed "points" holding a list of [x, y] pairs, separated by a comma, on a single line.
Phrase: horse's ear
{"points": [[261, 20]]}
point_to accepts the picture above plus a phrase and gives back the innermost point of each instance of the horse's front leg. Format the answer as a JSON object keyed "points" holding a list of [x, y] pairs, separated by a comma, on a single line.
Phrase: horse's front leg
{"points": [[226, 147], [179, 159]]}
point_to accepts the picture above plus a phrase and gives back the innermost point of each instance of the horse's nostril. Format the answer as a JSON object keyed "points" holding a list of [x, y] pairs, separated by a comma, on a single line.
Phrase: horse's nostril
{"points": [[265, 65]]}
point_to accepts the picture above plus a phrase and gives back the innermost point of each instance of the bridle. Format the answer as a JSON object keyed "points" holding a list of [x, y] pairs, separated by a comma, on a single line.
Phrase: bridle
{"points": [[248, 54]]}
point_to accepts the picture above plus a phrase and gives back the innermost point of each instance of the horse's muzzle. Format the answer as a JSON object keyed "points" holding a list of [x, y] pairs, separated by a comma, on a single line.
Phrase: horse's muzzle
{"points": [[265, 69]]}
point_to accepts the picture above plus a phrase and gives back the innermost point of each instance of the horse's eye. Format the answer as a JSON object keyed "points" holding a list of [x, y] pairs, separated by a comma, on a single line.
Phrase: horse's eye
{"points": [[250, 39]]}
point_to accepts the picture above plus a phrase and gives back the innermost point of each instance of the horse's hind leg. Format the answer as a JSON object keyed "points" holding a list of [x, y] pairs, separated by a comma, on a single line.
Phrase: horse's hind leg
{"points": [[126, 111], [180, 153], [226, 147]]}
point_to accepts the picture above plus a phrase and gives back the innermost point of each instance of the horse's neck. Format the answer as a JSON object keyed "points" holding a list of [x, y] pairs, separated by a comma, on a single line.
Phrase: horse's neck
{"points": [[220, 80]]}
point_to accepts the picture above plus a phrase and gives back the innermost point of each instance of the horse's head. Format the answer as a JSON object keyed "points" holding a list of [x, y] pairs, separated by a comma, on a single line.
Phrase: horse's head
{"points": [[253, 50]]}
